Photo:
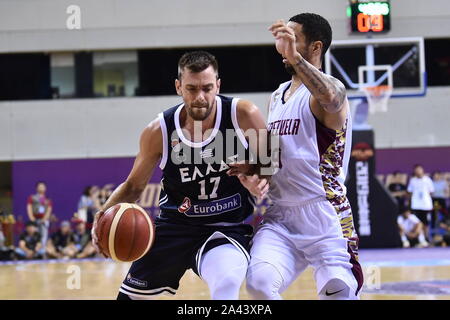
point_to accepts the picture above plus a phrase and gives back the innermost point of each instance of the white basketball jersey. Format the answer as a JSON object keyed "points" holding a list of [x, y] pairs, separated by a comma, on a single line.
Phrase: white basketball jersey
{"points": [[314, 159]]}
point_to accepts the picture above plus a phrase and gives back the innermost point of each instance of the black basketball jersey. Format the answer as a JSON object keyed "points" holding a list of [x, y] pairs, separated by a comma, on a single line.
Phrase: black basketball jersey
{"points": [[195, 187]]}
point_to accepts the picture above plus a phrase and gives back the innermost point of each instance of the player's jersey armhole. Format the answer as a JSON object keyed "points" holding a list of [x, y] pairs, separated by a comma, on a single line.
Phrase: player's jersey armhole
{"points": [[269, 105], [165, 150], [236, 124]]}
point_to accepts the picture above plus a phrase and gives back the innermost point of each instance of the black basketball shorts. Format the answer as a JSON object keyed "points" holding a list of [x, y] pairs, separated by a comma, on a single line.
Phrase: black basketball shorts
{"points": [[177, 248]]}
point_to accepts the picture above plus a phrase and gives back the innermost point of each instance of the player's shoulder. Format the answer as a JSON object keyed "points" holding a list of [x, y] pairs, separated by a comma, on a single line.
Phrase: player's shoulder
{"points": [[152, 133], [245, 106], [248, 114], [153, 125]]}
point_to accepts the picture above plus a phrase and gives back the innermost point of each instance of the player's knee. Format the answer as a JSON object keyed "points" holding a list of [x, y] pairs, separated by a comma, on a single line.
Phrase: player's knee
{"points": [[263, 281], [232, 280], [337, 289], [229, 284]]}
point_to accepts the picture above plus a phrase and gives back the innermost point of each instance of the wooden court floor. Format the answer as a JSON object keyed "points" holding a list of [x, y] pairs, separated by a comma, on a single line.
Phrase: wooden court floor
{"points": [[101, 279]]}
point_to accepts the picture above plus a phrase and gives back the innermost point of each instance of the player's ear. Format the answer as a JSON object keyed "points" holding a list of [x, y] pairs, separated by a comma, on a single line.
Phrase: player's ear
{"points": [[218, 84], [178, 86], [317, 47]]}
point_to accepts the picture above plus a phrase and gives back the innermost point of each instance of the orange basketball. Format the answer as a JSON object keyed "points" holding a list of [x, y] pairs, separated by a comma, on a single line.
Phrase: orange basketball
{"points": [[125, 232]]}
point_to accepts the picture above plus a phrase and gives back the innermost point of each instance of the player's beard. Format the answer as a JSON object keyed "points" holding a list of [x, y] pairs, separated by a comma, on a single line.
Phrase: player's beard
{"points": [[290, 69], [200, 112]]}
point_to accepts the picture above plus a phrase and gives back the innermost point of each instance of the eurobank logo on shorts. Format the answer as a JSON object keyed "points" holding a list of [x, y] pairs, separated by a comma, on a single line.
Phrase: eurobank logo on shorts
{"points": [[136, 282], [215, 207]]}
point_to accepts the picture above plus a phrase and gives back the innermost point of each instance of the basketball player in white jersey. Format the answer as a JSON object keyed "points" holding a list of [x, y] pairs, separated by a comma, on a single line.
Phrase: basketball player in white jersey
{"points": [[310, 220]]}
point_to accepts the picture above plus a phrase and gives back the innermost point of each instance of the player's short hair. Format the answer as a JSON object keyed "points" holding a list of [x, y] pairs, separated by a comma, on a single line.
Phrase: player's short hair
{"points": [[315, 28], [197, 61]]}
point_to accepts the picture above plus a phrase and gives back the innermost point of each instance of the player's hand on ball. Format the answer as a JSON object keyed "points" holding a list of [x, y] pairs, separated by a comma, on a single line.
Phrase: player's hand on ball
{"points": [[285, 41], [94, 232], [257, 187]]}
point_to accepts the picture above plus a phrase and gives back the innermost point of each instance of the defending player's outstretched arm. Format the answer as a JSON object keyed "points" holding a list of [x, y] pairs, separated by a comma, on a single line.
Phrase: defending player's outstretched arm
{"points": [[328, 101], [328, 91]]}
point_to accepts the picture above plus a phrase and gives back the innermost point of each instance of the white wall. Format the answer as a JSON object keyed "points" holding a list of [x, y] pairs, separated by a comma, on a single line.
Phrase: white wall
{"points": [[110, 127], [415, 122], [40, 25]]}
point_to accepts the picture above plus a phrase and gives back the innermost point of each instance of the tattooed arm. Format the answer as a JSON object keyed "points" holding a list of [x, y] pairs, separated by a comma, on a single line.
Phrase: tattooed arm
{"points": [[327, 90], [328, 102]]}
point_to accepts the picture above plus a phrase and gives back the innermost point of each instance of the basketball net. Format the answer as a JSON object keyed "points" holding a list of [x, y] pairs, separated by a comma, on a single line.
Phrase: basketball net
{"points": [[378, 97]]}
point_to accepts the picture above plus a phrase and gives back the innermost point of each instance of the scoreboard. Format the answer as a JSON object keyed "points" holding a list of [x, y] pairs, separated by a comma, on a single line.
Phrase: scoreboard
{"points": [[369, 16]]}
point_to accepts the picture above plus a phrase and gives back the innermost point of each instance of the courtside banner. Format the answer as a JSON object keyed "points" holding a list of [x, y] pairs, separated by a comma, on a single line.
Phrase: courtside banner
{"points": [[374, 209]]}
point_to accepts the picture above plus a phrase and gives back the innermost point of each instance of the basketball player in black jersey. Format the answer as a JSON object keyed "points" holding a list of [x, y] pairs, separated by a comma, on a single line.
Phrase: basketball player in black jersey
{"points": [[202, 209]]}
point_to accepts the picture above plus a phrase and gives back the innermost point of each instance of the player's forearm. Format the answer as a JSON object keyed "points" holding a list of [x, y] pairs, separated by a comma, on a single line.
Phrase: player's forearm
{"points": [[123, 193], [329, 92]]}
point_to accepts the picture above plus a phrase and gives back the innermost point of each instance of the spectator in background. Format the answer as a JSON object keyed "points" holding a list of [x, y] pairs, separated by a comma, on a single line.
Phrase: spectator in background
{"points": [[411, 230], [30, 245], [421, 187], [442, 237], [441, 193], [397, 188], [88, 205], [5, 252], [82, 241], [2, 238], [39, 210], [61, 244]]}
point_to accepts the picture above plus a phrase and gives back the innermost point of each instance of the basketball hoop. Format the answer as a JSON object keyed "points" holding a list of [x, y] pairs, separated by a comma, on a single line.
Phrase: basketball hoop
{"points": [[378, 97]]}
